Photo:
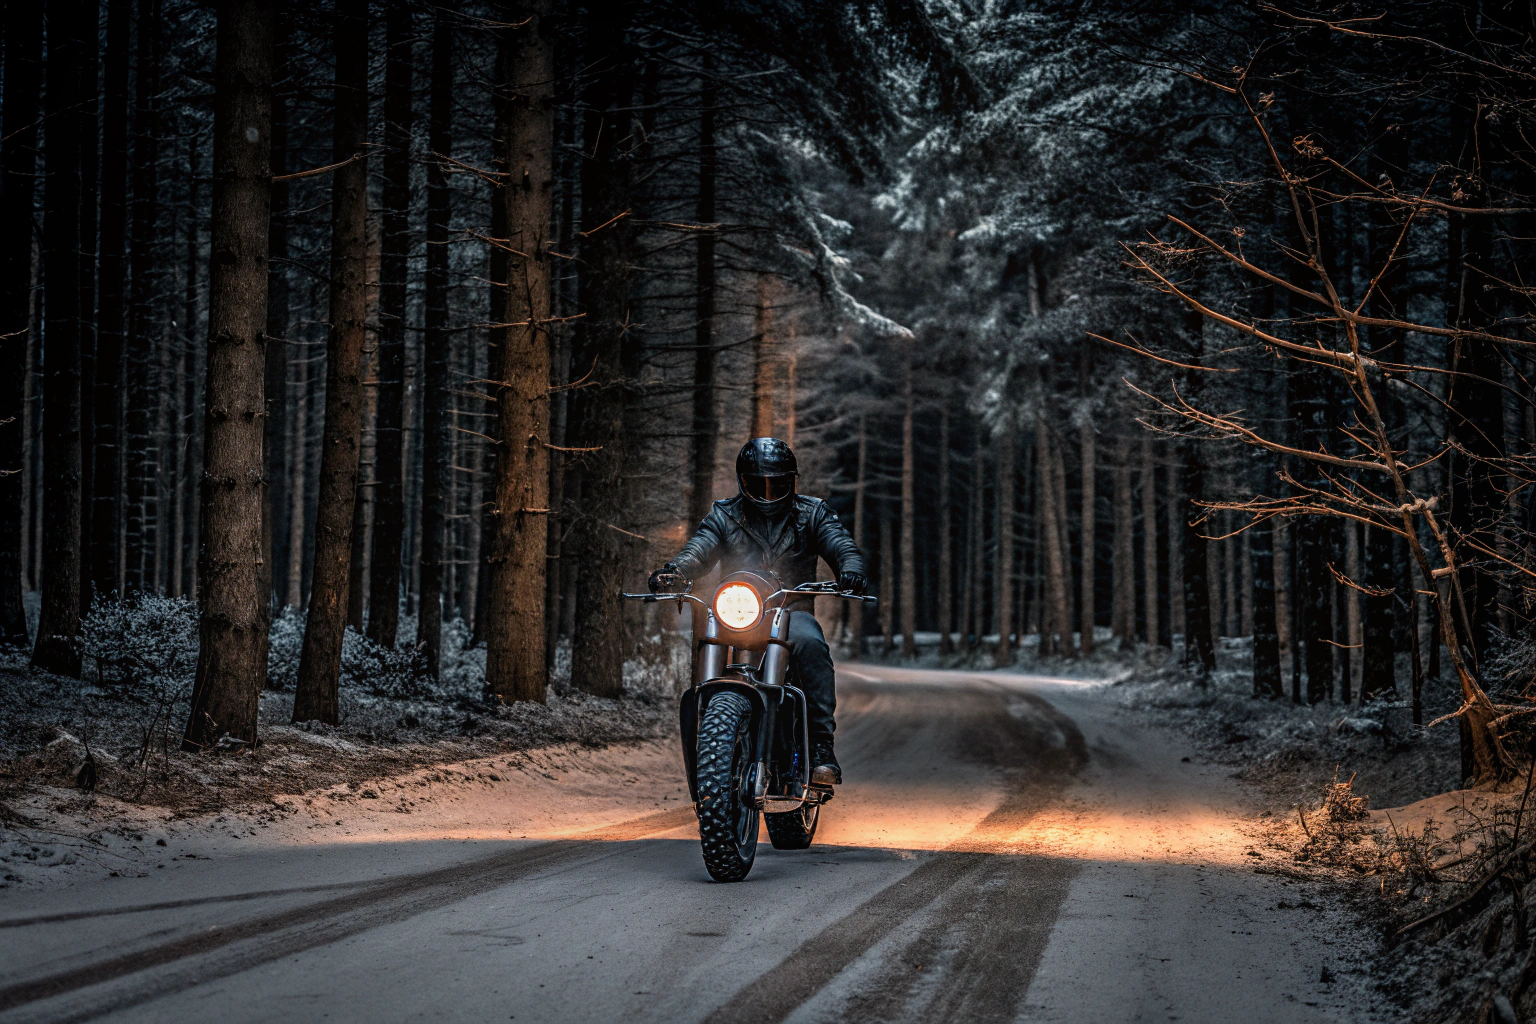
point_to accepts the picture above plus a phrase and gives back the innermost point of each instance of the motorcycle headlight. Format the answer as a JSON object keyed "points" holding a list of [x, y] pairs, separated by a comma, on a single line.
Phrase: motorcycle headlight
{"points": [[737, 606]]}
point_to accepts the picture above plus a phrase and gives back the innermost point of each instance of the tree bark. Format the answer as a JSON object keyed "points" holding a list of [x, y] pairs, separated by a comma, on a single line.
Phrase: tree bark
{"points": [[1087, 452], [856, 608], [1149, 534], [946, 543], [887, 593], [1175, 552], [606, 346], [88, 115], [434, 427], [320, 658], [764, 360], [1266, 639], [390, 454], [298, 475], [59, 624], [1062, 514], [184, 472], [1056, 625], [140, 453], [18, 163], [277, 504], [515, 657], [973, 615], [1124, 567], [706, 427], [1378, 677], [1474, 399], [1003, 654], [1199, 651], [232, 647], [362, 508], [908, 524]]}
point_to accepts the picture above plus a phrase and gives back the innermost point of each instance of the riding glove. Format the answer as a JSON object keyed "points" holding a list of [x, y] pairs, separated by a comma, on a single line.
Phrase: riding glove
{"points": [[851, 581], [667, 578]]}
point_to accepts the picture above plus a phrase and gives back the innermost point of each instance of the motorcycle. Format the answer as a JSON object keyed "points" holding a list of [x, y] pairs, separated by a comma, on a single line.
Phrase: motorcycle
{"points": [[746, 748]]}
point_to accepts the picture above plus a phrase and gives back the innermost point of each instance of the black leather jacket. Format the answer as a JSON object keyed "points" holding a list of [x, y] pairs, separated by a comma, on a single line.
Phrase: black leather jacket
{"points": [[738, 538]]}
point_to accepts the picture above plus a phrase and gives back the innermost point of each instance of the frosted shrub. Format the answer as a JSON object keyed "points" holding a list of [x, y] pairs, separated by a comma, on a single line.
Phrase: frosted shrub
{"points": [[144, 646], [284, 642], [461, 666], [397, 672]]}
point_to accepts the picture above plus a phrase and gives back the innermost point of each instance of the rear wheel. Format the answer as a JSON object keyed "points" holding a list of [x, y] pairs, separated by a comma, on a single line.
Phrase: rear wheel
{"points": [[793, 830], [727, 823]]}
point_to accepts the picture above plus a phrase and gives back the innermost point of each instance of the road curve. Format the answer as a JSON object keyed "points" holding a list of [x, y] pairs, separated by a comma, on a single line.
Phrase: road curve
{"points": [[956, 877]]}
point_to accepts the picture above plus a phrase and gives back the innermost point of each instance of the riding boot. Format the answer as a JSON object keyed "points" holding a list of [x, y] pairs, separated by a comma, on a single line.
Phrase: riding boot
{"points": [[812, 661]]}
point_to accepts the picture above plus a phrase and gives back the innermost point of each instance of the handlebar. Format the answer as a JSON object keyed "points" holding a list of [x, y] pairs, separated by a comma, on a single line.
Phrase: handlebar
{"points": [[653, 598], [825, 588]]}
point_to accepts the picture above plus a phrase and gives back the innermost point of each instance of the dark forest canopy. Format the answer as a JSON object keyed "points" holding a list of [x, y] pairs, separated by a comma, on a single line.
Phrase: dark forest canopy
{"points": [[1185, 322]]}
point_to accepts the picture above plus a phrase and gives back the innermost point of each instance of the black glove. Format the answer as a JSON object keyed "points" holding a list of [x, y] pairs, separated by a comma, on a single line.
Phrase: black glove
{"points": [[667, 578], [851, 581]]}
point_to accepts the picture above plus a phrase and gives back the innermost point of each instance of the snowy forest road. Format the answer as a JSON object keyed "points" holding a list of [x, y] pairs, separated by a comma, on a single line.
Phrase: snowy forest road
{"points": [[1006, 848]]}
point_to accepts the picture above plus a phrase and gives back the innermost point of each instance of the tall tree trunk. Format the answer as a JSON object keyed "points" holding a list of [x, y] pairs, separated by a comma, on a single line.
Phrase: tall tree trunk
{"points": [[1475, 420], [1377, 675], [908, 523], [515, 666], [860, 484], [1266, 639], [277, 504], [1199, 651], [106, 394], [390, 457], [298, 474], [434, 426], [946, 542], [141, 454], [320, 658], [887, 593], [1353, 631], [1003, 655], [1175, 551], [232, 648], [1124, 566], [1244, 555], [1149, 533], [18, 163], [974, 615], [1056, 625], [1062, 515], [184, 472], [706, 426], [605, 346], [1090, 529], [59, 624], [764, 361], [90, 129], [362, 508]]}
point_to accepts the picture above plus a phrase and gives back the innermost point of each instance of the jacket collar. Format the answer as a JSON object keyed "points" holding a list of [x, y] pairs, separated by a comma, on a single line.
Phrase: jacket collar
{"points": [[733, 507]]}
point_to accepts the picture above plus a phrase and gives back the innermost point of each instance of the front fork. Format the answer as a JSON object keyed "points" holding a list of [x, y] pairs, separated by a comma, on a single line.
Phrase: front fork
{"points": [[713, 663]]}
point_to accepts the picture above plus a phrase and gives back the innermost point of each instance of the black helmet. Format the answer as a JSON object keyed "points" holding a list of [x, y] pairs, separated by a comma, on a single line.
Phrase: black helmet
{"points": [[766, 470]]}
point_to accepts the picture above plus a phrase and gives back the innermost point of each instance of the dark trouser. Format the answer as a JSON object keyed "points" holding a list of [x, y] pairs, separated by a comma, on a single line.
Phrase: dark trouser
{"points": [[811, 660]]}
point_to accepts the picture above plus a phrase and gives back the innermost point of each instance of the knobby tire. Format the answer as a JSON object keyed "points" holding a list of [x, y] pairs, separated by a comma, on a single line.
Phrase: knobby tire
{"points": [[727, 825]]}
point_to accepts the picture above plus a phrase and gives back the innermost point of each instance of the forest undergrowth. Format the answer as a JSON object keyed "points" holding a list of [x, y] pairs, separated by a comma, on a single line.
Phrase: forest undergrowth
{"points": [[1367, 806], [116, 731]]}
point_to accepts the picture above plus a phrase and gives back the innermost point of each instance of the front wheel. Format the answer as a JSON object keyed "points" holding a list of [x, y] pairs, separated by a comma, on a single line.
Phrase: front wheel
{"points": [[793, 830], [727, 823]]}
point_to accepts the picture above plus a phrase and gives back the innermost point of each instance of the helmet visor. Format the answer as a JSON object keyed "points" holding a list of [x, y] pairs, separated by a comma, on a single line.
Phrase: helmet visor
{"points": [[768, 488]]}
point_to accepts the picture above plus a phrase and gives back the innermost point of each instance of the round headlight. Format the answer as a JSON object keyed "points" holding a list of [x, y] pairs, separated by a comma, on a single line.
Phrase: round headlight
{"points": [[738, 606]]}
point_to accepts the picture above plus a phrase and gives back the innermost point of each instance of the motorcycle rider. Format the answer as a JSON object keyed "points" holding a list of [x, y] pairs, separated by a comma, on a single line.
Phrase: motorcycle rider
{"points": [[768, 525]]}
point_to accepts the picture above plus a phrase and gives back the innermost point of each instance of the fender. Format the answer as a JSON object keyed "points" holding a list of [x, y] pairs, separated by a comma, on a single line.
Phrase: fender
{"points": [[696, 697]]}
